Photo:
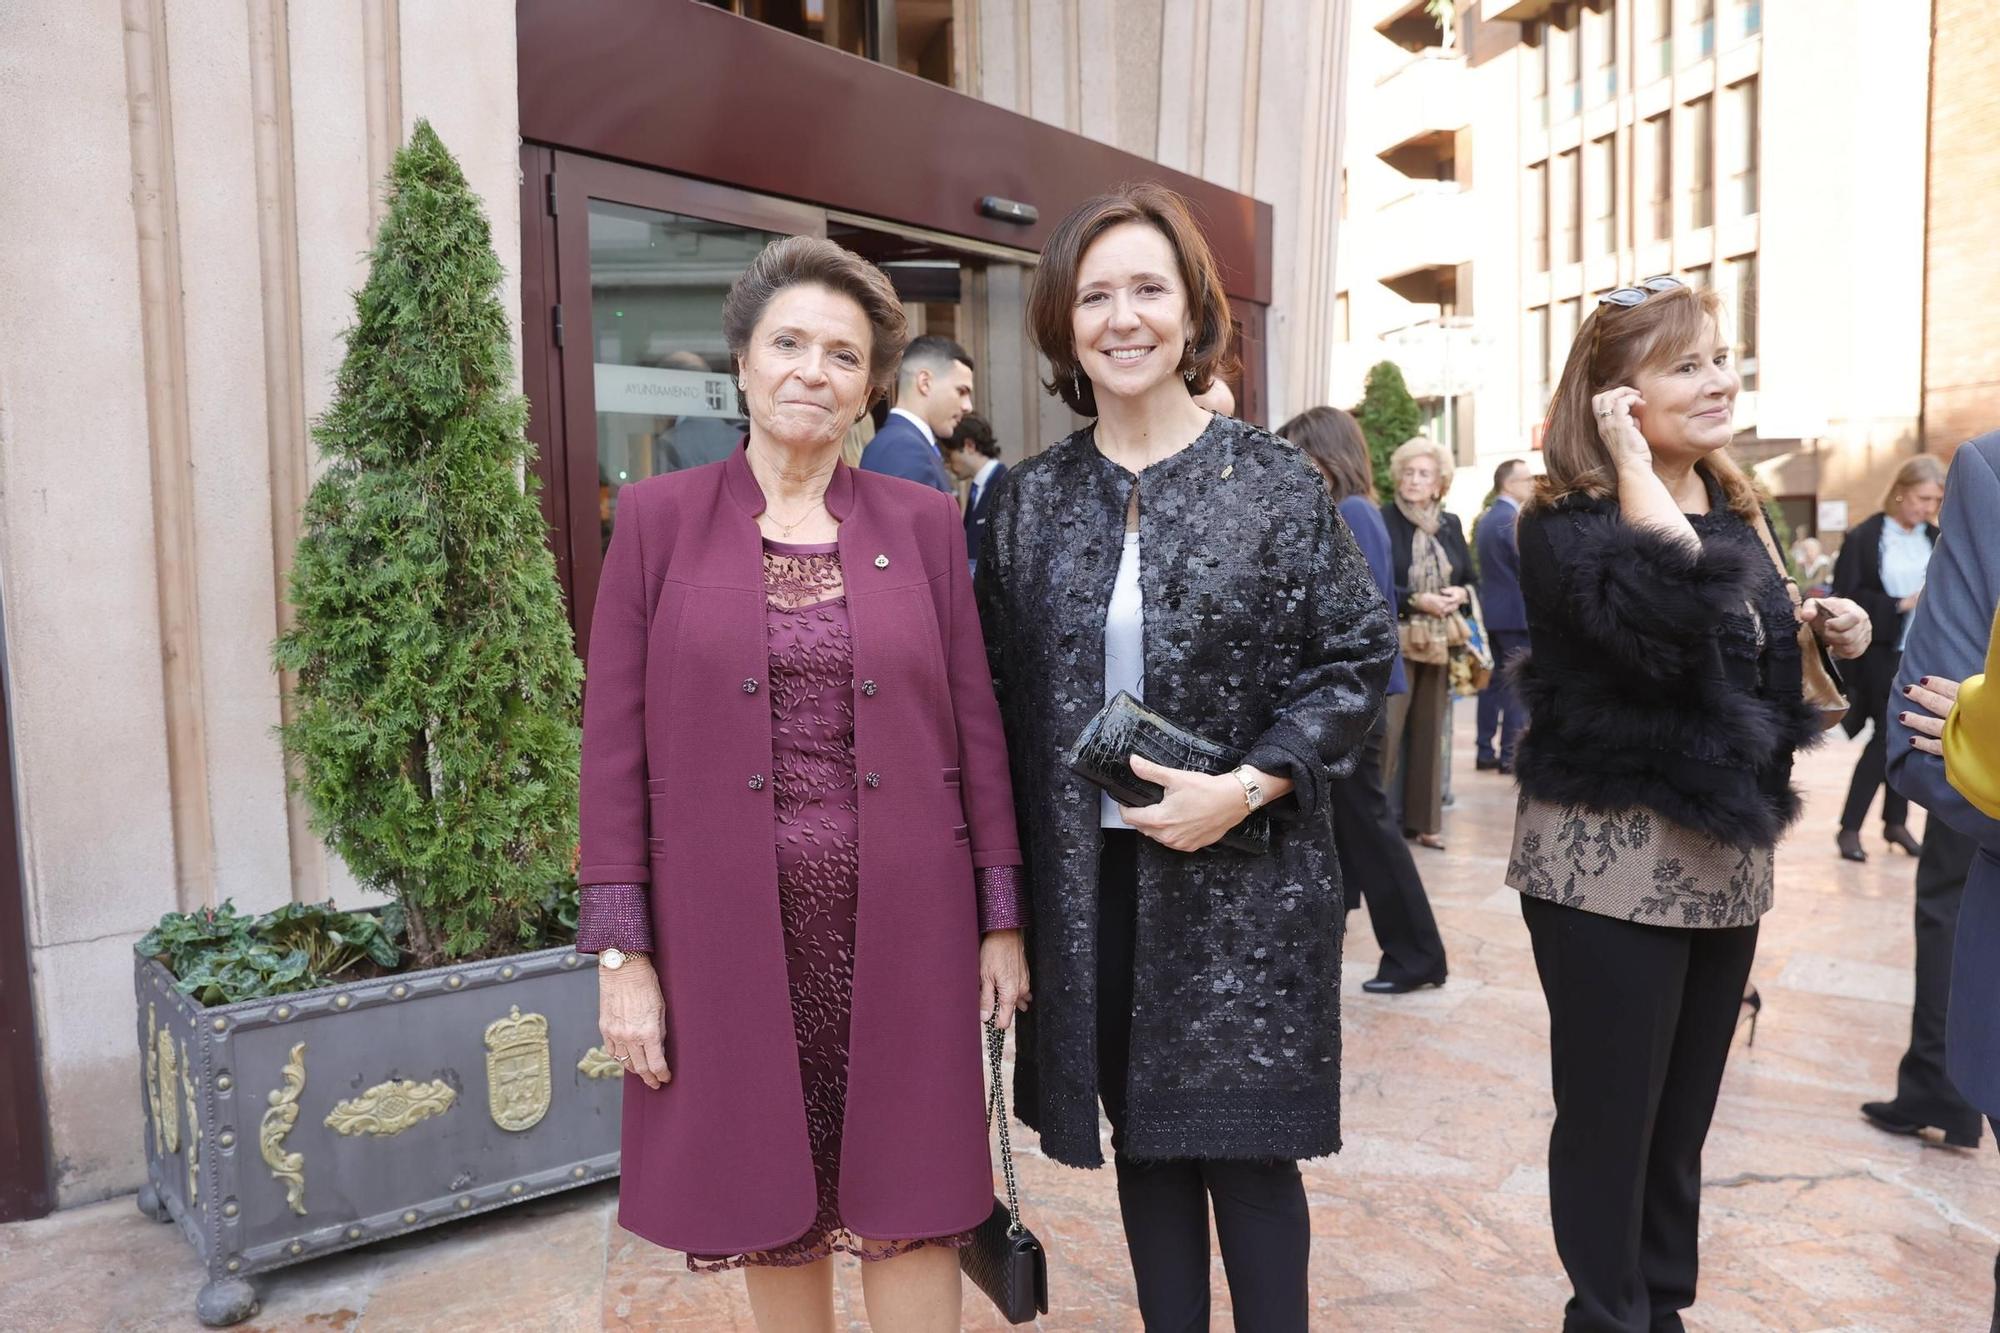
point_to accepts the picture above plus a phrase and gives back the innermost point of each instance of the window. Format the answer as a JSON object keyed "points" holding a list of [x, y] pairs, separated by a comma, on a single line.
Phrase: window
{"points": [[1603, 195], [1658, 142], [1701, 162], [1697, 276], [1703, 26], [1658, 57], [1538, 215], [1743, 310], [1343, 329], [1565, 72], [1535, 338], [1536, 60], [1602, 32], [1743, 147], [1565, 207], [1749, 17], [1561, 336]]}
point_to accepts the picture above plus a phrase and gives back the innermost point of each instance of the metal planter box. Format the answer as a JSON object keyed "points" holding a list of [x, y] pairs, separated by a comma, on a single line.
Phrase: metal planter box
{"points": [[284, 1129]]}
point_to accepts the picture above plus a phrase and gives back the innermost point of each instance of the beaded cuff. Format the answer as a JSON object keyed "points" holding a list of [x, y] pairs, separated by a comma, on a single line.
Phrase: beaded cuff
{"points": [[1003, 898], [614, 916]]}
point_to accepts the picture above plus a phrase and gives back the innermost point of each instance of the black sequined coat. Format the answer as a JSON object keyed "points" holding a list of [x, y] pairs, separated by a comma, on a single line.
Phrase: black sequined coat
{"points": [[1263, 630]]}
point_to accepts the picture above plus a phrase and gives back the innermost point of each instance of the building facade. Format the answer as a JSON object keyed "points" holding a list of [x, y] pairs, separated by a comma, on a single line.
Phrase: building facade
{"points": [[207, 182], [1503, 174]]}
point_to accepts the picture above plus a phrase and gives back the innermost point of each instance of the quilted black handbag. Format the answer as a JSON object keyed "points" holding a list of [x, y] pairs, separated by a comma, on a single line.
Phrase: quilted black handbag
{"points": [[1125, 727], [1004, 1259]]}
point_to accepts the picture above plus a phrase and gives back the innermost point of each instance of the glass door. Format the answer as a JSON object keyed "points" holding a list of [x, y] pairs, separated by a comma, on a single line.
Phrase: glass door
{"points": [[638, 361]]}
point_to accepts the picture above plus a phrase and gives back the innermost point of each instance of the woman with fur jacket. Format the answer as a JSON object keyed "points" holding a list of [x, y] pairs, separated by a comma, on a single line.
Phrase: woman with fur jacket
{"points": [[1664, 698]]}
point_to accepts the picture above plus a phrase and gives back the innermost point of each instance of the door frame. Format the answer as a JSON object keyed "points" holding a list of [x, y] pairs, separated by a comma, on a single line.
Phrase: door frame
{"points": [[25, 1184], [556, 323]]}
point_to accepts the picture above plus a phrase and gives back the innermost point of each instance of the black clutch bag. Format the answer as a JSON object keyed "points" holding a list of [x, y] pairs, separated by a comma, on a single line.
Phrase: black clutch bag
{"points": [[1004, 1259], [1125, 727]]}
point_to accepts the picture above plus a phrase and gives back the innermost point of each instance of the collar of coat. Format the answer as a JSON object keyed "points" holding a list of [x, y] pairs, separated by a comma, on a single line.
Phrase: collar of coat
{"points": [[741, 484]]}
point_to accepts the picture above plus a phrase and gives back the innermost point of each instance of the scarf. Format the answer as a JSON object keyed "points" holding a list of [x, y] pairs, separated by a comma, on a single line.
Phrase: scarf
{"points": [[1428, 638]]}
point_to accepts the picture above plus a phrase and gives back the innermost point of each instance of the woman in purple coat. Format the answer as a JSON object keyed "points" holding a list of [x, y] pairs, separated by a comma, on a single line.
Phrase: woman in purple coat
{"points": [[797, 824]]}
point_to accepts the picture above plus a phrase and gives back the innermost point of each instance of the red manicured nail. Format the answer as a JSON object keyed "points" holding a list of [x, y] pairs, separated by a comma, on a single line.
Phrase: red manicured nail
{"points": [[1924, 681]]}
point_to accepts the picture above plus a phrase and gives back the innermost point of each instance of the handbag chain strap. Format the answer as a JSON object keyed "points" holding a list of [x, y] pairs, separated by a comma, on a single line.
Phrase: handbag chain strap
{"points": [[996, 1110]]}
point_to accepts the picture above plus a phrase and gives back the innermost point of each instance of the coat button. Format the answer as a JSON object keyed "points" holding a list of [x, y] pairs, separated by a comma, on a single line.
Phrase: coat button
{"points": [[749, 687], [881, 562], [868, 688], [756, 782], [874, 779]]}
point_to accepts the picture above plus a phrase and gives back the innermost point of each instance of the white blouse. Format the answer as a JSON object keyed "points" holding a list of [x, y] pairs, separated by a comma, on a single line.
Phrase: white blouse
{"points": [[1124, 649]]}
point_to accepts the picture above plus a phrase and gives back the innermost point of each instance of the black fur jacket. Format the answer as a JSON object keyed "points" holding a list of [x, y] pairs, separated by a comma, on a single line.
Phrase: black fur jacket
{"points": [[1264, 631], [1659, 677]]}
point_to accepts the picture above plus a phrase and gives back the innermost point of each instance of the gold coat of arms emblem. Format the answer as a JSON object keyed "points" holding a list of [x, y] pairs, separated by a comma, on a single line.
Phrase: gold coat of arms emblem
{"points": [[518, 1083]]}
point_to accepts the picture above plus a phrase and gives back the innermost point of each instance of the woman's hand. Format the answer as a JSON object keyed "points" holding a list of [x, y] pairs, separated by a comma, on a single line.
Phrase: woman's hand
{"points": [[1620, 433], [1840, 624], [1431, 604], [1936, 696], [1003, 975], [1198, 808], [631, 1017]]}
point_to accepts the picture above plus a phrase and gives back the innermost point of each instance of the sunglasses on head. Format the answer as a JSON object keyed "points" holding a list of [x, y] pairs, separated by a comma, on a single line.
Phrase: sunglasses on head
{"points": [[1627, 297]]}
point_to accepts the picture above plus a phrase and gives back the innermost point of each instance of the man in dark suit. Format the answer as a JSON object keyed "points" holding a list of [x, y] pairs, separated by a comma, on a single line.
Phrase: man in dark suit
{"points": [[1506, 617], [973, 456], [933, 390]]}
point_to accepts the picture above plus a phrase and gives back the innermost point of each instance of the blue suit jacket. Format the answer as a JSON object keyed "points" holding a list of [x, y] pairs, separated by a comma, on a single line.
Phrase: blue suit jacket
{"points": [[1364, 520], [977, 513], [1948, 635], [899, 449], [1500, 570]]}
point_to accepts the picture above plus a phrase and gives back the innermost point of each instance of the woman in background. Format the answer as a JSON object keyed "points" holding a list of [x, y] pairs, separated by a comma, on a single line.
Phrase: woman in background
{"points": [[1433, 570], [1882, 566], [1375, 862]]}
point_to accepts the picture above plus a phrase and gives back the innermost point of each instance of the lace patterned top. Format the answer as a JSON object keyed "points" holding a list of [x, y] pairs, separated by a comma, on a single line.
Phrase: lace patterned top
{"points": [[1638, 866]]}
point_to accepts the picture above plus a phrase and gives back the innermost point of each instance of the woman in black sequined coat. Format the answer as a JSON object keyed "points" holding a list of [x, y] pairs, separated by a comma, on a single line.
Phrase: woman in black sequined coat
{"points": [[1194, 989]]}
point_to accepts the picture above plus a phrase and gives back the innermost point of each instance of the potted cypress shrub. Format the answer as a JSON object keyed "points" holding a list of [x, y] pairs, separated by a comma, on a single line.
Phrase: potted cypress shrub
{"points": [[1388, 416], [316, 1080]]}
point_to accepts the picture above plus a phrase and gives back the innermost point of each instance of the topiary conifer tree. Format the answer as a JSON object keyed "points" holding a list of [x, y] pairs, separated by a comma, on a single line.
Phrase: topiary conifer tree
{"points": [[436, 732], [1388, 417]]}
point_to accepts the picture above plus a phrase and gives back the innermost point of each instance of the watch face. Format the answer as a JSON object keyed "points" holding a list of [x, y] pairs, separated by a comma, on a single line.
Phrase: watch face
{"points": [[612, 959]]}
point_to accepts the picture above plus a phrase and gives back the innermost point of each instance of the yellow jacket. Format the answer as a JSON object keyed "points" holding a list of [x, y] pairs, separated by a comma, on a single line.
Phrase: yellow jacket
{"points": [[1972, 734]]}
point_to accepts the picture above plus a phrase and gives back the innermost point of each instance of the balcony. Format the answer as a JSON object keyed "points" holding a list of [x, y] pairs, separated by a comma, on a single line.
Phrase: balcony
{"points": [[1519, 11], [1418, 109], [1420, 241]]}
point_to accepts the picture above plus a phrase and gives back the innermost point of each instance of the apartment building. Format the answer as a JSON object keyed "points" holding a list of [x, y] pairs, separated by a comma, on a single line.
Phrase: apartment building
{"points": [[1771, 149]]}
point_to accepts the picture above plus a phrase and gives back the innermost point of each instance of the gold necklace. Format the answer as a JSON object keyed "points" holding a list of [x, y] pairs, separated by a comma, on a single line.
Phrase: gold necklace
{"points": [[785, 530]]}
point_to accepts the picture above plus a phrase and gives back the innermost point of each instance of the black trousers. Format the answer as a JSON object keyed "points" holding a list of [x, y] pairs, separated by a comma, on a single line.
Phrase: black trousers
{"points": [[1640, 1023], [1260, 1206], [1923, 1090], [1376, 868], [1873, 765], [1498, 708]]}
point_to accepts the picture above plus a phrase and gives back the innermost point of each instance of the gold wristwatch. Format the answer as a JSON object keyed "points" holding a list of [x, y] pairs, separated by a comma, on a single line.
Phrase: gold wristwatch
{"points": [[1253, 791]]}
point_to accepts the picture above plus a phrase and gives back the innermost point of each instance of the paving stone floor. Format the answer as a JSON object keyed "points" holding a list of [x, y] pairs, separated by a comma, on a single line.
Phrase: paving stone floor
{"points": [[1435, 1217]]}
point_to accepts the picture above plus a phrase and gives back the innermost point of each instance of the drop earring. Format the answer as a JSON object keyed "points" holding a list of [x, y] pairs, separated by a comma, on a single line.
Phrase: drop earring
{"points": [[1188, 375], [1076, 383]]}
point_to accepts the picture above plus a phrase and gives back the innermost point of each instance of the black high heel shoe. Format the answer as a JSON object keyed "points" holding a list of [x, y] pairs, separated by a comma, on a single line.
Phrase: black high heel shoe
{"points": [[1850, 846], [1898, 835], [1755, 1004]]}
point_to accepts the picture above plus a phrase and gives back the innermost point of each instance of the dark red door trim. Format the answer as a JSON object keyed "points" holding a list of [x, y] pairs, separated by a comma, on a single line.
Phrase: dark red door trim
{"points": [[571, 469], [693, 90], [24, 1147]]}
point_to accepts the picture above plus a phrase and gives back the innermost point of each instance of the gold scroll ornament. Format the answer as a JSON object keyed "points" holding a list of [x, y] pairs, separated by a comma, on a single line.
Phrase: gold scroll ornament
{"points": [[194, 1130], [153, 1079], [390, 1108], [597, 1062], [518, 1083], [289, 1167], [170, 1106]]}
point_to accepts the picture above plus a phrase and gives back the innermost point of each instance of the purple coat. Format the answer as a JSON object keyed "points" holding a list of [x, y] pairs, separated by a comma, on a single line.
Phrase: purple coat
{"points": [[676, 796]]}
